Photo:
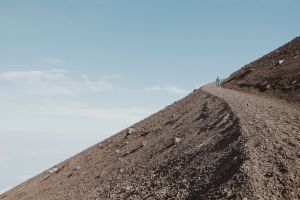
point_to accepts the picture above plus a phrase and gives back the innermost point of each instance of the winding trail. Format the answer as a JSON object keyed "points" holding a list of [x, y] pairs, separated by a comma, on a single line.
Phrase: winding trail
{"points": [[272, 130]]}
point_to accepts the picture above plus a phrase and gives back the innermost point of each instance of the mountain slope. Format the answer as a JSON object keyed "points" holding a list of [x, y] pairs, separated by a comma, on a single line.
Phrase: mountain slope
{"points": [[276, 74], [192, 149]]}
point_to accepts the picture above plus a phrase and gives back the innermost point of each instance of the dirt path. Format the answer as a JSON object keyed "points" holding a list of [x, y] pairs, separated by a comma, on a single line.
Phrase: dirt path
{"points": [[272, 130]]}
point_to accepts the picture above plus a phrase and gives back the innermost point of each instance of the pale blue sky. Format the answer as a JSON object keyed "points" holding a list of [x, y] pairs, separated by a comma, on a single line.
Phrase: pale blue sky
{"points": [[73, 72]]}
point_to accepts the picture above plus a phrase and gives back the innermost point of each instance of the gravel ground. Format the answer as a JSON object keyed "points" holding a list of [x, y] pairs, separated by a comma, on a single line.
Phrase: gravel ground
{"points": [[272, 129], [276, 74]]}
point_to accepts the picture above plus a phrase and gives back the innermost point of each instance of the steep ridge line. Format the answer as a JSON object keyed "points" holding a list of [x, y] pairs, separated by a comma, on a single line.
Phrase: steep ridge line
{"points": [[192, 149], [276, 74], [272, 130]]}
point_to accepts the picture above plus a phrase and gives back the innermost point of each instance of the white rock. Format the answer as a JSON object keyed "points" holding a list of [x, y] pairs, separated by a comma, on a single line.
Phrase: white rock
{"points": [[52, 171], [281, 61], [128, 188], [144, 143], [130, 131], [177, 140]]}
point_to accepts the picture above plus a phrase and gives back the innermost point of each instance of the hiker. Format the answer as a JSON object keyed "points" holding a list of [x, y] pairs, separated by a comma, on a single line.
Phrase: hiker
{"points": [[218, 82]]}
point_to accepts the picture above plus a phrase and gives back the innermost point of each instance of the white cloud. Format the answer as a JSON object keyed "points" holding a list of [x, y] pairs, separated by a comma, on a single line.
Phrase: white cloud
{"points": [[5, 189], [127, 114], [34, 74], [167, 88], [112, 76], [98, 86], [52, 82], [53, 61], [60, 82]]}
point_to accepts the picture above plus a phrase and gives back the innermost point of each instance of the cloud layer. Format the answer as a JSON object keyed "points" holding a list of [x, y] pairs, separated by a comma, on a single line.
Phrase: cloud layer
{"points": [[49, 95], [81, 110], [60, 82], [167, 89], [51, 82]]}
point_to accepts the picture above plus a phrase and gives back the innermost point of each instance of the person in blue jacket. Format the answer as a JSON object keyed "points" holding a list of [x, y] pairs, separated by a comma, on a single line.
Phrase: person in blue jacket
{"points": [[218, 82]]}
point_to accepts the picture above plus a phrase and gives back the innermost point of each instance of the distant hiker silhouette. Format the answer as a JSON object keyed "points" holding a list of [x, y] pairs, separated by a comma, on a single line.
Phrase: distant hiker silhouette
{"points": [[218, 82]]}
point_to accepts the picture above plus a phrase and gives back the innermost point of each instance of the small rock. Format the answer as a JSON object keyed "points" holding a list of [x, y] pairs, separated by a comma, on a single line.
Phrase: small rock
{"points": [[128, 188], [268, 175], [46, 176], [227, 191], [281, 61], [52, 171], [130, 131], [177, 140], [263, 86], [144, 143], [78, 168]]}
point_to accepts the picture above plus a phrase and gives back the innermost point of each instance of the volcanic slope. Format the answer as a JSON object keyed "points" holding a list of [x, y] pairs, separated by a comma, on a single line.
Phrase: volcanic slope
{"points": [[193, 149], [197, 148], [275, 74]]}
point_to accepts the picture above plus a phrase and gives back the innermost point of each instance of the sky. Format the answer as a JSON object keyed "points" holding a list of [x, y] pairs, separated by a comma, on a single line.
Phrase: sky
{"points": [[74, 72]]}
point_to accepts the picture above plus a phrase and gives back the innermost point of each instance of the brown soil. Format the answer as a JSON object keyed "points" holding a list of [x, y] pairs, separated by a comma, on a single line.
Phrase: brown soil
{"points": [[271, 127], [276, 74]]}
